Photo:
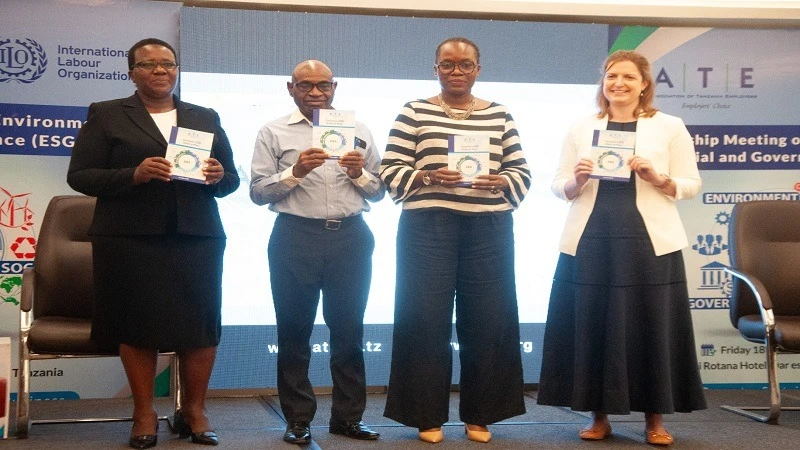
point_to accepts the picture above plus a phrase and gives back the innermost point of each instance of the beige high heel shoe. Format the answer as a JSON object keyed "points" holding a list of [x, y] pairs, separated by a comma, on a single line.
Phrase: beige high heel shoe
{"points": [[477, 433], [432, 435]]}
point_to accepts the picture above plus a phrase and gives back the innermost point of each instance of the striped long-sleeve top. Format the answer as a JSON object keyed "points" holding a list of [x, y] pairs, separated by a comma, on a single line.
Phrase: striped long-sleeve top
{"points": [[418, 142]]}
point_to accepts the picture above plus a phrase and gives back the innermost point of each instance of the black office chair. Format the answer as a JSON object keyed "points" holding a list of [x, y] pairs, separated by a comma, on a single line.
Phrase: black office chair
{"points": [[765, 303], [56, 304]]}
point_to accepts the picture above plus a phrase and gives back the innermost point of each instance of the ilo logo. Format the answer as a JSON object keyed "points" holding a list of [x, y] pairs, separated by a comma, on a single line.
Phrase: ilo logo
{"points": [[21, 60]]}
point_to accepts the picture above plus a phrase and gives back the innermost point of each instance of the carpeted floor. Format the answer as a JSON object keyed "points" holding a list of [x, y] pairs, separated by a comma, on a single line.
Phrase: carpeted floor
{"points": [[255, 422]]}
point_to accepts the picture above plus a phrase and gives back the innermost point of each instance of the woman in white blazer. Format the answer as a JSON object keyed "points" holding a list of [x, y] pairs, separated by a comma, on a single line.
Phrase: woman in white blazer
{"points": [[619, 333]]}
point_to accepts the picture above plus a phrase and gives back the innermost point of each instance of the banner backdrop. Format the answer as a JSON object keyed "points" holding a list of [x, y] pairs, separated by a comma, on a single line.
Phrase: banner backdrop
{"points": [[56, 57], [735, 89], [246, 85]]}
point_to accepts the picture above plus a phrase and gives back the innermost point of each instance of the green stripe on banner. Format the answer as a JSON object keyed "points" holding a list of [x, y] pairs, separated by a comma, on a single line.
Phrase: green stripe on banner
{"points": [[162, 383], [631, 37]]}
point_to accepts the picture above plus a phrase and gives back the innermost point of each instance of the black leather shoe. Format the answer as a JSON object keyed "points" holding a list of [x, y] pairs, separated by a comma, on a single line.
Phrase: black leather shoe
{"points": [[355, 430], [297, 433], [205, 438], [180, 426], [144, 440], [184, 431]]}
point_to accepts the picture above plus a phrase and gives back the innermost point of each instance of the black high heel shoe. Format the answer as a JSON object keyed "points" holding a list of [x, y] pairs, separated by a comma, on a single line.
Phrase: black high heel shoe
{"points": [[144, 440], [184, 431], [179, 424]]}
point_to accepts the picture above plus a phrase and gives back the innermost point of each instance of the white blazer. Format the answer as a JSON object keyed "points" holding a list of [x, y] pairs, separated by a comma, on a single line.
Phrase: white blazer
{"points": [[665, 141]]}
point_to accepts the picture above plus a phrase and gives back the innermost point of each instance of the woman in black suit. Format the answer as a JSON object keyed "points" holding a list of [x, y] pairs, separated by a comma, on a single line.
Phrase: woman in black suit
{"points": [[157, 243]]}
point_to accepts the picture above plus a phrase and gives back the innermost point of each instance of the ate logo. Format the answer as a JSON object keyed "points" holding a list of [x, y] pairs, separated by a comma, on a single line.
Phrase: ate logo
{"points": [[705, 77], [21, 60]]}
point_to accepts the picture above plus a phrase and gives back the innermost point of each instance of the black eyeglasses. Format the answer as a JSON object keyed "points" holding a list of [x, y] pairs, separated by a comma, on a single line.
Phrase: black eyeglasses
{"points": [[151, 65], [307, 86], [466, 67]]}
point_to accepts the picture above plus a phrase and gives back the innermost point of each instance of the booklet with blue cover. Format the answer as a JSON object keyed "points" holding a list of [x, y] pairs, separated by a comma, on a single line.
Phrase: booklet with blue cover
{"points": [[187, 150], [334, 131], [468, 155], [610, 153]]}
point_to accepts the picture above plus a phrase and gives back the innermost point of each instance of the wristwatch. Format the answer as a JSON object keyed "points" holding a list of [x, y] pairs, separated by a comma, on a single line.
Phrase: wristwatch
{"points": [[426, 178], [666, 183]]}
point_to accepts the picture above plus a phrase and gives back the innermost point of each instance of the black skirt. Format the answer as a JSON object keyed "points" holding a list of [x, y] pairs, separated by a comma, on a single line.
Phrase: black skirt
{"points": [[619, 334], [161, 292]]}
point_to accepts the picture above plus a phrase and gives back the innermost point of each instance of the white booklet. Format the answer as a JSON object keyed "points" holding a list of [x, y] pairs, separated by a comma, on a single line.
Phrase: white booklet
{"points": [[468, 155], [334, 131], [187, 150], [610, 153]]}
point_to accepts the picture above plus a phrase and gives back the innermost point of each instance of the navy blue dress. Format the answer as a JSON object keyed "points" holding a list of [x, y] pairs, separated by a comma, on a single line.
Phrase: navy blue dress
{"points": [[619, 334]]}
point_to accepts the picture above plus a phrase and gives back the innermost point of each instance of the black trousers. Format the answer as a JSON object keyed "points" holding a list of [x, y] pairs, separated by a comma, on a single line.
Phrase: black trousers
{"points": [[445, 258], [306, 257]]}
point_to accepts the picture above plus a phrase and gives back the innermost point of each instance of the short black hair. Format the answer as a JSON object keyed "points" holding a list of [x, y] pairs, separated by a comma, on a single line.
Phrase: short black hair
{"points": [[142, 43], [461, 40]]}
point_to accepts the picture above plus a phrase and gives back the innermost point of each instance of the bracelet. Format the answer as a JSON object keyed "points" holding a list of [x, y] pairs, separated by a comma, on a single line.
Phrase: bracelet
{"points": [[666, 183]]}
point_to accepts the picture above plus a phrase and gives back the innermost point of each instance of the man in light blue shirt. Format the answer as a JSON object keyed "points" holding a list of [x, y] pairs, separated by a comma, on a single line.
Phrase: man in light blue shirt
{"points": [[319, 243]]}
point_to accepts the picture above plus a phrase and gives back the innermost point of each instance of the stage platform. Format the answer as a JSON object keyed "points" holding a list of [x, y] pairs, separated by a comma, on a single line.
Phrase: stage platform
{"points": [[255, 422]]}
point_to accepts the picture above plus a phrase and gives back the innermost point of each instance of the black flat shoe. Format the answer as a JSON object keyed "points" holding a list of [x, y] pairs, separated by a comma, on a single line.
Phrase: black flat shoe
{"points": [[297, 433], [356, 430], [144, 440]]}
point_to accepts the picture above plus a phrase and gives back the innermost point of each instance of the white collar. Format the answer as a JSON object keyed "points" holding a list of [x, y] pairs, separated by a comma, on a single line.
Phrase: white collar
{"points": [[297, 117]]}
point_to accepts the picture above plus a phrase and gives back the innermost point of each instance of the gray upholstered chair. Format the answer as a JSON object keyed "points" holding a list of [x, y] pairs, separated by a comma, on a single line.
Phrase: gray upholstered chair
{"points": [[56, 305], [765, 304]]}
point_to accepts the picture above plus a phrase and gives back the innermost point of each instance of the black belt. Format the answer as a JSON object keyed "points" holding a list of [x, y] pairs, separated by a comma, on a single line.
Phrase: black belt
{"points": [[328, 224]]}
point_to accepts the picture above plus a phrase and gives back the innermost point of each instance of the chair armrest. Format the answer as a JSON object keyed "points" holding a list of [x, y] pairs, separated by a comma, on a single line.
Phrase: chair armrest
{"points": [[26, 303], [760, 293]]}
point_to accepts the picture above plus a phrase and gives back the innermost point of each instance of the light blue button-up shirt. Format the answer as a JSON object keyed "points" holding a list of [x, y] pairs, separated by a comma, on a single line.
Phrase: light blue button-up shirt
{"points": [[326, 192]]}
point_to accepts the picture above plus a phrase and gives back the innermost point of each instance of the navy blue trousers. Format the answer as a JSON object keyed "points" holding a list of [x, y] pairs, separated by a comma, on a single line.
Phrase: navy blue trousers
{"points": [[445, 258], [306, 258]]}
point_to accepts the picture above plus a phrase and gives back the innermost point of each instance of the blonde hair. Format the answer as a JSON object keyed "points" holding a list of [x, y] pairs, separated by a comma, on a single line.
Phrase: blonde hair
{"points": [[645, 107]]}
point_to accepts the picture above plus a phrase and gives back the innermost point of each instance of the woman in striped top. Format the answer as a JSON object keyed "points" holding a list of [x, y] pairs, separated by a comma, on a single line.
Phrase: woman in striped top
{"points": [[455, 241]]}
